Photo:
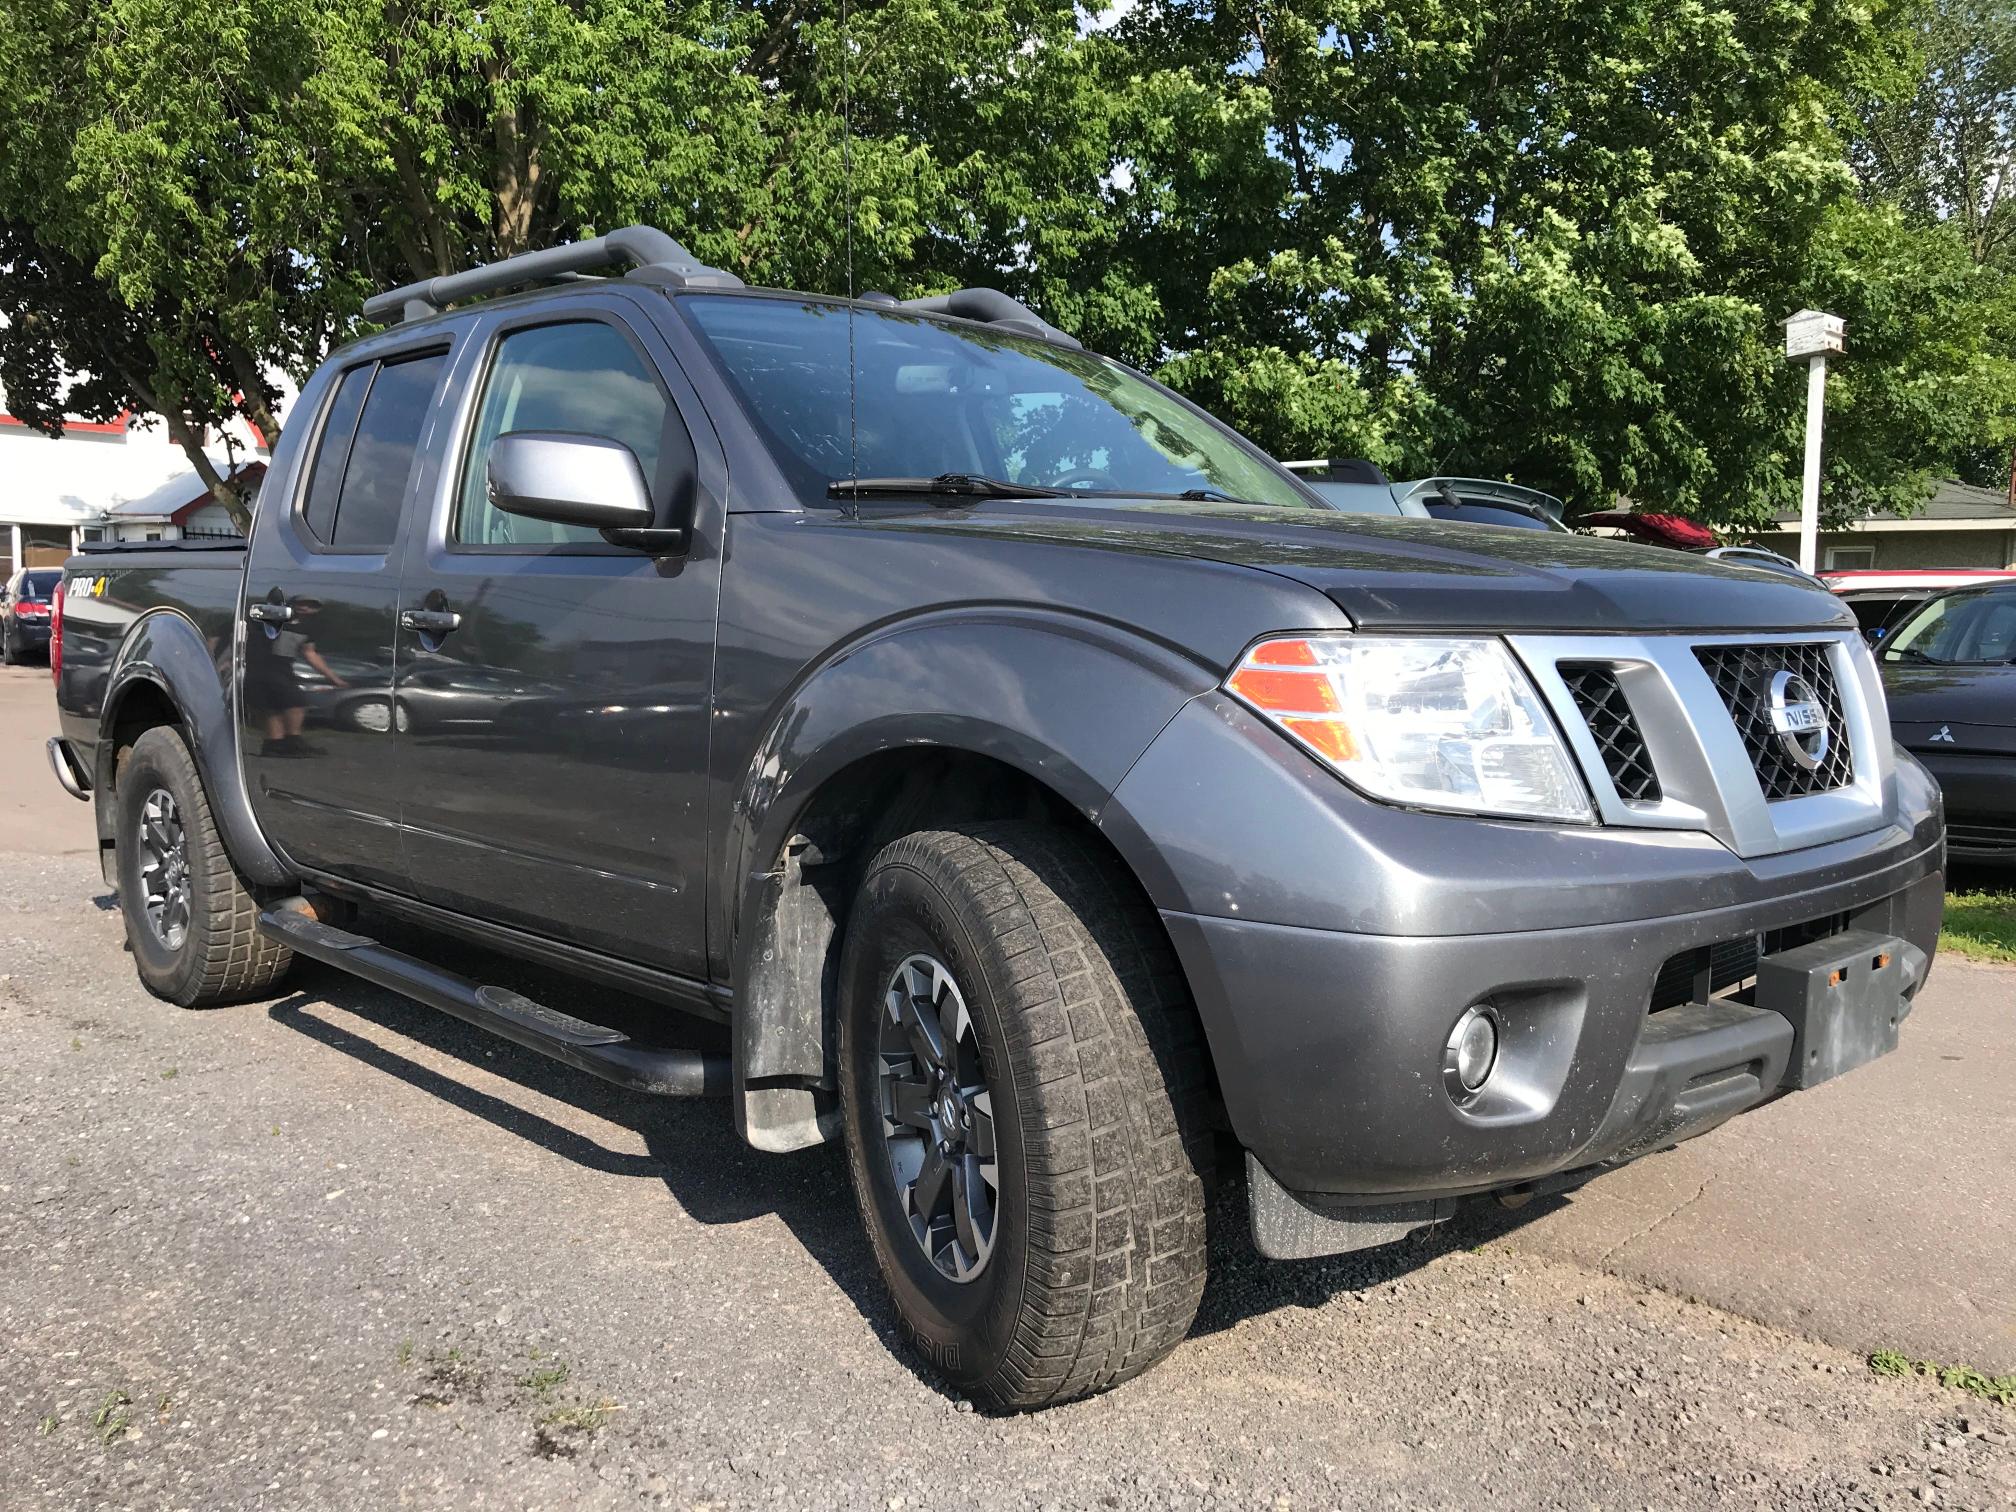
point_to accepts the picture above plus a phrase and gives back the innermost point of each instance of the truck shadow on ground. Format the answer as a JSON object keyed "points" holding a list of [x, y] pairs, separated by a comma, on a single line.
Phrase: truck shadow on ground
{"points": [[691, 1146]]}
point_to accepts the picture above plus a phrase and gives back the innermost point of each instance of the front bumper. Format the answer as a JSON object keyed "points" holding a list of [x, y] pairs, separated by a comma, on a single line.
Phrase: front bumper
{"points": [[1331, 943], [1329, 1045]]}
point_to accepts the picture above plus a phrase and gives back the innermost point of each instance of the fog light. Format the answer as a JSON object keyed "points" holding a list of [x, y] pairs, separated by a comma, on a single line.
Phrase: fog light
{"points": [[1471, 1053]]}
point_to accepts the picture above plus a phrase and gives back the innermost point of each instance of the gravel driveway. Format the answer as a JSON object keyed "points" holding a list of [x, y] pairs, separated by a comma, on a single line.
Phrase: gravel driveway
{"points": [[336, 1251]]}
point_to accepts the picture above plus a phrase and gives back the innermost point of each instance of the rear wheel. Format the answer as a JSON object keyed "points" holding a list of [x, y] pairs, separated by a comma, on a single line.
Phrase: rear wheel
{"points": [[1022, 1086], [192, 922]]}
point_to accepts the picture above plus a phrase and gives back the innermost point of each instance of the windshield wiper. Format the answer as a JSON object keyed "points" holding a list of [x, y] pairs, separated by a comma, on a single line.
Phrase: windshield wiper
{"points": [[950, 484], [1213, 496]]}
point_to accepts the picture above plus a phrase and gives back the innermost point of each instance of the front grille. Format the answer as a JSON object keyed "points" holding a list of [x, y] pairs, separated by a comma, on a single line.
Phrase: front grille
{"points": [[1742, 675], [1600, 697], [1981, 837]]}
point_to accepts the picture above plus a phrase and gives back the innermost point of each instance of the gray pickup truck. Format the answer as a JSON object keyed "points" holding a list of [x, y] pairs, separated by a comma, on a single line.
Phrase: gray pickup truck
{"points": [[1057, 801]]}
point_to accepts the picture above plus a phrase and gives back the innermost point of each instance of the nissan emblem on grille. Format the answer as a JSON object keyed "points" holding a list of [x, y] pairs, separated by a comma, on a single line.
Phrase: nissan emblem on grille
{"points": [[1799, 720], [1786, 703]]}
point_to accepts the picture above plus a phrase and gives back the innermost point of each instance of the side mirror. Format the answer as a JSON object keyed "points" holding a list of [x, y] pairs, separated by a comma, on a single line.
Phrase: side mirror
{"points": [[570, 480]]}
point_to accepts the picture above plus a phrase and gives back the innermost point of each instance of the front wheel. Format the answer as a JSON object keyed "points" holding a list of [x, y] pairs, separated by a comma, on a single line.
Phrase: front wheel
{"points": [[1022, 1086], [191, 921]]}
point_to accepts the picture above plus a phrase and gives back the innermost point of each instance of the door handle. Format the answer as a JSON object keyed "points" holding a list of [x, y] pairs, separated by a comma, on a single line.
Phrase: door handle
{"points": [[269, 614], [429, 621]]}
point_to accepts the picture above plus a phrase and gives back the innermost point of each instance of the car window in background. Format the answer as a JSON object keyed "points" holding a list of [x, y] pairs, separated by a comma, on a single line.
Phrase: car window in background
{"points": [[1975, 627], [1878, 611], [935, 398], [1356, 498], [38, 586], [581, 377], [1487, 514]]}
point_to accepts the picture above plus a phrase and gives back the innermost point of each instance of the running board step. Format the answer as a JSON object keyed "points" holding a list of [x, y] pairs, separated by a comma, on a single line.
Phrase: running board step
{"points": [[607, 1053]]}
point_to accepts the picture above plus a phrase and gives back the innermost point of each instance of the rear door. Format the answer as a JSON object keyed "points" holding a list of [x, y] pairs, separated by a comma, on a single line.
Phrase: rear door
{"points": [[555, 738], [318, 732]]}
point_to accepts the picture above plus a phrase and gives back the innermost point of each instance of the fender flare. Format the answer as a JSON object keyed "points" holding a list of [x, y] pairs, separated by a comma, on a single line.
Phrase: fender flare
{"points": [[1069, 701], [165, 649]]}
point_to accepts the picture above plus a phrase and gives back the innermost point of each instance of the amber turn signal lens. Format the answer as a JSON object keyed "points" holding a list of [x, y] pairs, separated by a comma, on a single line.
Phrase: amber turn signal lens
{"points": [[1285, 680]]}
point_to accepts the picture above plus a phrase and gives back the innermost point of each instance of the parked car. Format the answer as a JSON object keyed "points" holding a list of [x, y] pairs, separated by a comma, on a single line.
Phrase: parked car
{"points": [[1362, 487], [1683, 534], [1063, 807], [1952, 685], [1485, 501], [1882, 599], [24, 613]]}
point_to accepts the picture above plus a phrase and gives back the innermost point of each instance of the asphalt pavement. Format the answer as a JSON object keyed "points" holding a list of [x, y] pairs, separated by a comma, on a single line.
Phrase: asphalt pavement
{"points": [[337, 1251]]}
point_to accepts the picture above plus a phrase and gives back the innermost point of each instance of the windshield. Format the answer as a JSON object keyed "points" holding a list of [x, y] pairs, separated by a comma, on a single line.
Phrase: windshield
{"points": [[37, 586], [937, 399], [1977, 626]]}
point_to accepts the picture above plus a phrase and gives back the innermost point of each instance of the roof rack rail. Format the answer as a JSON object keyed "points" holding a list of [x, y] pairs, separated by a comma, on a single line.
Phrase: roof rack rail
{"points": [[988, 305], [645, 248]]}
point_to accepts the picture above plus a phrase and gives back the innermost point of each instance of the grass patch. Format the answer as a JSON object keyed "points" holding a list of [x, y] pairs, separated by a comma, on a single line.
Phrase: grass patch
{"points": [[110, 1419], [560, 1432], [1980, 925], [446, 1379], [1888, 1362], [543, 1380]]}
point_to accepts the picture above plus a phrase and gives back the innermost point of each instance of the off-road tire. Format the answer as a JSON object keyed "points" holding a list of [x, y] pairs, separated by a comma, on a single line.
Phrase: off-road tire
{"points": [[223, 958], [1097, 1069]]}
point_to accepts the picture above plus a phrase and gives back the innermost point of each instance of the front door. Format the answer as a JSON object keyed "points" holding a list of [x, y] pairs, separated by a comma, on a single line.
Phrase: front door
{"points": [[554, 691], [322, 592]]}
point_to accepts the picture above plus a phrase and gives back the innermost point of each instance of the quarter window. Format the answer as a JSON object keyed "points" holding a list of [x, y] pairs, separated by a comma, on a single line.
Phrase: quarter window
{"points": [[581, 377]]}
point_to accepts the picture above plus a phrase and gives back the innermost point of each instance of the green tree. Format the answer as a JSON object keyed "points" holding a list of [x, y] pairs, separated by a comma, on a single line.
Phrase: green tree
{"points": [[1934, 147], [1550, 243], [198, 190]]}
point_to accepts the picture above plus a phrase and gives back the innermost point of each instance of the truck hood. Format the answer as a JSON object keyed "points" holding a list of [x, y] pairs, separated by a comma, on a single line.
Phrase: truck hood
{"points": [[1429, 574]]}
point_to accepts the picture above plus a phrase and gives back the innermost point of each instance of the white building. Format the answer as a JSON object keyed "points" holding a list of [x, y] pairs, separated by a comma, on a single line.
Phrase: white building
{"points": [[117, 480]]}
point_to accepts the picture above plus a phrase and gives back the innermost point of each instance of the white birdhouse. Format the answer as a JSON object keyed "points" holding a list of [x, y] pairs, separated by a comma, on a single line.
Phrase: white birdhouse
{"points": [[1813, 333]]}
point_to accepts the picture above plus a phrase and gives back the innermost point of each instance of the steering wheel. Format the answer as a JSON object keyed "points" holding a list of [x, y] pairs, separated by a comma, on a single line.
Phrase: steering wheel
{"points": [[1090, 475]]}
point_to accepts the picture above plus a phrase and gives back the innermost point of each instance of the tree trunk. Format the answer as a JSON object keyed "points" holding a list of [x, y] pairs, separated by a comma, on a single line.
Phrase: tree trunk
{"points": [[226, 491], [516, 174], [190, 438]]}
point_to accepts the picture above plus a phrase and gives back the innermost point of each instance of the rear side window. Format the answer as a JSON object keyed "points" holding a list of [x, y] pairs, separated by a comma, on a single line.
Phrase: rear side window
{"points": [[325, 476], [581, 377], [364, 463]]}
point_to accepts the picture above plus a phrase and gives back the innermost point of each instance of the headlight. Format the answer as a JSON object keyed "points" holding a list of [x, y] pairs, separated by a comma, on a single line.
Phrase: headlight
{"points": [[1441, 723]]}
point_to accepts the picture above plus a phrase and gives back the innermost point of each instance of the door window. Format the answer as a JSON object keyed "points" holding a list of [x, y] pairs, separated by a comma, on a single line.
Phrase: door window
{"points": [[364, 461], [582, 377]]}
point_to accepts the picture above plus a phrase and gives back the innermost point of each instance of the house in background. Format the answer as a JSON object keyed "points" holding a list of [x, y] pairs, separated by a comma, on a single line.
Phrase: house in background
{"points": [[119, 479], [1960, 526]]}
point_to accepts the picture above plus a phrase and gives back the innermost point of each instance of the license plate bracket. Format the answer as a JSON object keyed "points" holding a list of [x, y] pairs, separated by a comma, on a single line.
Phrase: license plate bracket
{"points": [[1844, 995]]}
